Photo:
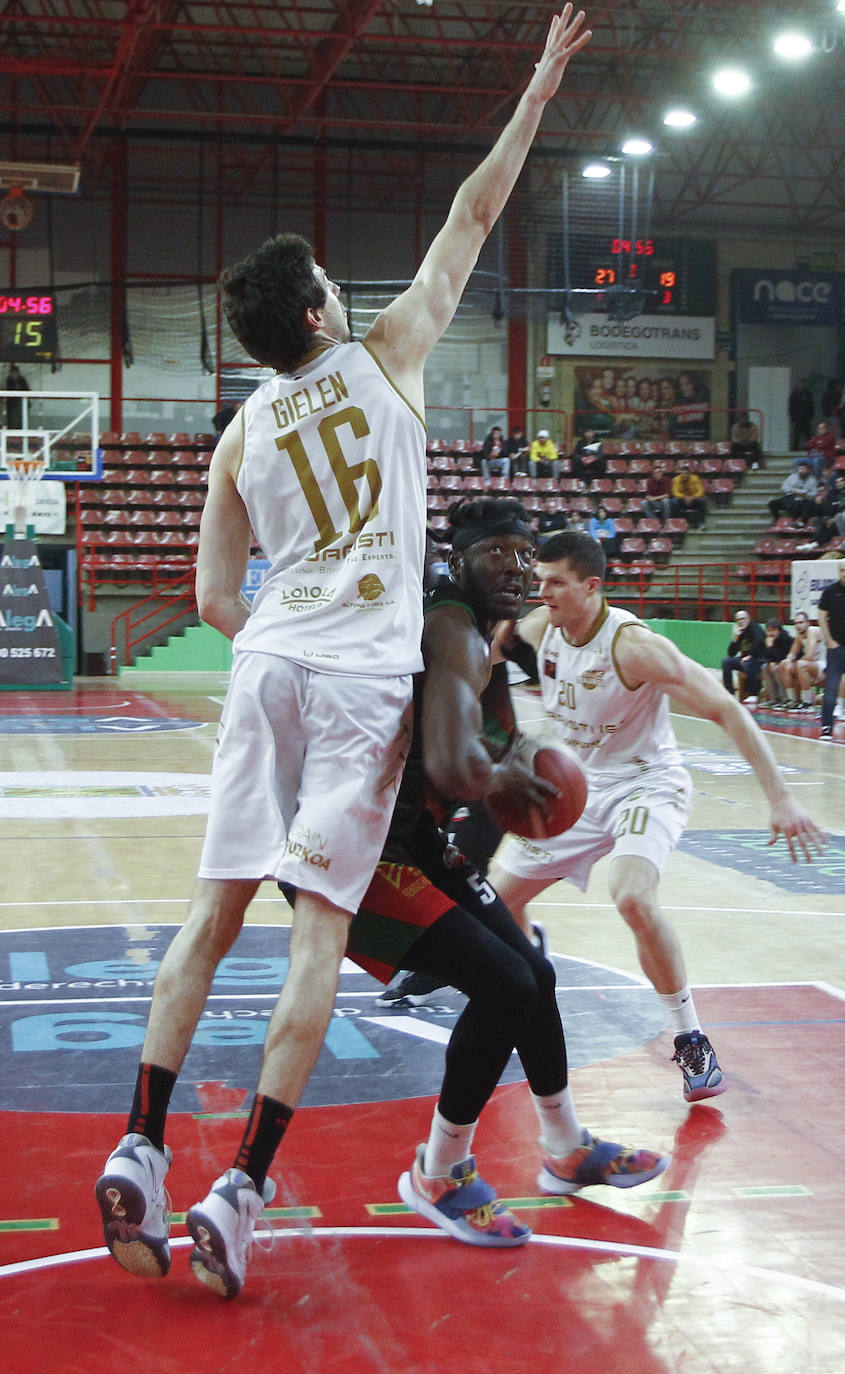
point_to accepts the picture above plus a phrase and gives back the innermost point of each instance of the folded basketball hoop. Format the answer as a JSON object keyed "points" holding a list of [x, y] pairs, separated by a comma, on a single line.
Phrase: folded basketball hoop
{"points": [[25, 474]]}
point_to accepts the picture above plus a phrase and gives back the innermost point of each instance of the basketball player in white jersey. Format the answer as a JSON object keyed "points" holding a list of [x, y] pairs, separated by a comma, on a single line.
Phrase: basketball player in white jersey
{"points": [[605, 679], [326, 464]]}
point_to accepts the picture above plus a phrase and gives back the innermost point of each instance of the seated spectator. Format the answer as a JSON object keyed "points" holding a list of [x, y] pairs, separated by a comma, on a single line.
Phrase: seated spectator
{"points": [[494, 460], [551, 518], [688, 499], [777, 646], [821, 451], [542, 455], [588, 457], [575, 521], [603, 527], [803, 668], [658, 493], [745, 655], [745, 440], [797, 492], [515, 449], [830, 514]]}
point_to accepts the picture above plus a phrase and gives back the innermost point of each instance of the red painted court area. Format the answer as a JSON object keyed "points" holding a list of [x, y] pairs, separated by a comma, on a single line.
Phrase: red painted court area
{"points": [[731, 1261]]}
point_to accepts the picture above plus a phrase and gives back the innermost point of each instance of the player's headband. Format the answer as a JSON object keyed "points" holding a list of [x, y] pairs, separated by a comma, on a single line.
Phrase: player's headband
{"points": [[472, 533]]}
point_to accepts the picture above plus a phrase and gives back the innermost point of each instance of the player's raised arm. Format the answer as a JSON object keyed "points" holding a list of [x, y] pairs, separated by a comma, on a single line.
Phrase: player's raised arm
{"points": [[645, 657], [404, 334]]}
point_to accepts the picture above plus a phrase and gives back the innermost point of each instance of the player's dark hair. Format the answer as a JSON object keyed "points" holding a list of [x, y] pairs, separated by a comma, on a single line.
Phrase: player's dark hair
{"points": [[584, 554], [265, 298], [483, 516]]}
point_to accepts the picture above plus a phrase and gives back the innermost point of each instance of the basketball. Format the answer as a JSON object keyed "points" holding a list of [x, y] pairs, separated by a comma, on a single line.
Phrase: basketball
{"points": [[559, 766]]}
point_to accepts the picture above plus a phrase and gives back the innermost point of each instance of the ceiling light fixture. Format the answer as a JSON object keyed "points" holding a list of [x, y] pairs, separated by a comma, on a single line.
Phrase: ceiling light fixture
{"points": [[731, 82], [679, 118], [596, 171], [637, 147], [792, 46]]}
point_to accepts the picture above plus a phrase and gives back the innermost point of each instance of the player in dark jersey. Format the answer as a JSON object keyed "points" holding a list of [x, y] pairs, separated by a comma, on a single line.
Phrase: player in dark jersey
{"points": [[429, 910]]}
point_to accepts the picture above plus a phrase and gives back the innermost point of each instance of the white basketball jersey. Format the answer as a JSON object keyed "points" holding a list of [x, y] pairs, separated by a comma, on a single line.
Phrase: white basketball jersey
{"points": [[333, 477], [616, 732]]}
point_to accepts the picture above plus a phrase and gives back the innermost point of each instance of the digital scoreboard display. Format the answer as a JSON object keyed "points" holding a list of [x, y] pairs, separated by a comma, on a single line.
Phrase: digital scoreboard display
{"points": [[677, 275], [27, 327]]}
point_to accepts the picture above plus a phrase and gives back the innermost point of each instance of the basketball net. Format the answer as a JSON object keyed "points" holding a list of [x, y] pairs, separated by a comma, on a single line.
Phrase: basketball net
{"points": [[25, 475]]}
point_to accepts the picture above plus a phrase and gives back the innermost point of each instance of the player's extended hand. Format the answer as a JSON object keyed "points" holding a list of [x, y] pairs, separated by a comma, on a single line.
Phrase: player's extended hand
{"points": [[514, 777], [789, 819], [566, 37]]}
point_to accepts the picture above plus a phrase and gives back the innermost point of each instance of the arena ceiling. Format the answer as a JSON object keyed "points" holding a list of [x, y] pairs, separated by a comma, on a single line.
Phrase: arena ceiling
{"points": [[359, 91]]}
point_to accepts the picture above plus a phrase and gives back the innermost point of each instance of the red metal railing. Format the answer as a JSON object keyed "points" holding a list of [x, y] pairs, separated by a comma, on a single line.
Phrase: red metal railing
{"points": [[134, 627]]}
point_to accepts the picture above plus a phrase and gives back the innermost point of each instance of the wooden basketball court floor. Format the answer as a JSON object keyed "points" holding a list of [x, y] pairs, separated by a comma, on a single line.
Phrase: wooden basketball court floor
{"points": [[733, 1260]]}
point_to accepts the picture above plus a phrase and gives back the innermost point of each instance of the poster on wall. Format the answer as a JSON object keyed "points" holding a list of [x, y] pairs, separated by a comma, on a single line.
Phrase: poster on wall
{"points": [[809, 579], [645, 336], [626, 402], [29, 643]]}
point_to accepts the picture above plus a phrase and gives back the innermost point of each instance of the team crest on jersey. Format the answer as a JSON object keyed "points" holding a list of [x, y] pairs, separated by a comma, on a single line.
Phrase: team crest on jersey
{"points": [[592, 678], [549, 667]]}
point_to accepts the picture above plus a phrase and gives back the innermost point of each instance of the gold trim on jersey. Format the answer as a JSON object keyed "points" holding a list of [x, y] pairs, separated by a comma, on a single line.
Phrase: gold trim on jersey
{"points": [[593, 630], [387, 377], [626, 625]]}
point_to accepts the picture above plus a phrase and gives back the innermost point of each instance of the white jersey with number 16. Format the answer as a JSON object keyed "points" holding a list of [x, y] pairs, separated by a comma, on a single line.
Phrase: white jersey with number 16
{"points": [[333, 477]]}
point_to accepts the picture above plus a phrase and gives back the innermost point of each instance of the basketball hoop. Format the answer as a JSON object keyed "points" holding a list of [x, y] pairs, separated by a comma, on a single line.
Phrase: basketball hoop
{"points": [[25, 473]]}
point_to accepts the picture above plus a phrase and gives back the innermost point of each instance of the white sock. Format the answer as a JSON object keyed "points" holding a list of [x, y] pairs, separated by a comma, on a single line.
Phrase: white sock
{"points": [[808, 697], [447, 1145], [560, 1129], [792, 695], [681, 1009]]}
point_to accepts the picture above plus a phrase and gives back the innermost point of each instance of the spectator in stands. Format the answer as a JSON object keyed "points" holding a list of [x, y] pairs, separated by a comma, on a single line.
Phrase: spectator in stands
{"points": [[603, 528], [688, 498], [494, 460], [801, 410], [831, 516], [797, 493], [224, 417], [588, 457], [542, 455], [831, 403], [552, 518], [746, 656], [15, 381], [821, 451], [803, 668], [516, 449], [575, 521], [745, 440], [777, 645], [658, 493]]}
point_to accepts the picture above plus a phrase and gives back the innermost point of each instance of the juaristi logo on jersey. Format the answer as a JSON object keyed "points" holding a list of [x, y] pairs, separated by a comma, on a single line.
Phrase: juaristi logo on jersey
{"points": [[359, 549]]}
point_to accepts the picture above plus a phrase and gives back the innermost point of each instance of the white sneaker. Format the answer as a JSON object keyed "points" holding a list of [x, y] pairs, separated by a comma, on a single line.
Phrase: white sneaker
{"points": [[135, 1206], [222, 1227]]}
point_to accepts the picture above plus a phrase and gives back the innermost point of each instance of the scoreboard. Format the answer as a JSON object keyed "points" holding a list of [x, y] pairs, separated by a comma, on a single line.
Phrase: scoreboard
{"points": [[27, 327], [677, 275]]}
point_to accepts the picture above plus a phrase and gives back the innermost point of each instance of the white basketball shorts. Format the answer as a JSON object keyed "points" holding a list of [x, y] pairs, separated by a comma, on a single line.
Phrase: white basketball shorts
{"points": [[642, 816], [305, 776]]}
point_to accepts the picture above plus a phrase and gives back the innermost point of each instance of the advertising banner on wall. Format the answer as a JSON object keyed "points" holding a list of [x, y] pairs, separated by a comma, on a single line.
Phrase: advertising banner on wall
{"points": [[645, 336], [29, 641], [49, 514], [809, 580], [765, 296], [642, 402]]}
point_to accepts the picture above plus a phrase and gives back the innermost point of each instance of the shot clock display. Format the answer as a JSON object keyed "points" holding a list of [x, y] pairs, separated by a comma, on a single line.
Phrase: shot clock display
{"points": [[678, 274], [27, 327]]}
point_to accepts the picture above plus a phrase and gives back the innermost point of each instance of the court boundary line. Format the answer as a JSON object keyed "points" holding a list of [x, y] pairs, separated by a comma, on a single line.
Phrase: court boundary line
{"points": [[582, 1243]]}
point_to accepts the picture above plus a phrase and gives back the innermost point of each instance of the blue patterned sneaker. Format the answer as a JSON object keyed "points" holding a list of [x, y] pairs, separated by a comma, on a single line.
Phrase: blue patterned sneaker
{"points": [[599, 1161], [135, 1206], [461, 1203], [699, 1065], [222, 1229]]}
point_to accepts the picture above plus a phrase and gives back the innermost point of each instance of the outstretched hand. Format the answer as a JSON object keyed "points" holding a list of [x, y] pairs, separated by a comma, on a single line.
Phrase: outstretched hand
{"points": [[566, 37], [798, 828]]}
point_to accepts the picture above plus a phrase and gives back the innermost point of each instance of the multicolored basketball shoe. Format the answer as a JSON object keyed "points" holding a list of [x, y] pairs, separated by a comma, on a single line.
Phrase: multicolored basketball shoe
{"points": [[699, 1065], [222, 1228], [135, 1206], [461, 1203], [599, 1161]]}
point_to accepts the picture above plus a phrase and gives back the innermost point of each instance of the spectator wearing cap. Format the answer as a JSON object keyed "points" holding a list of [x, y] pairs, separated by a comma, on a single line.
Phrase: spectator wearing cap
{"points": [[542, 455]]}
